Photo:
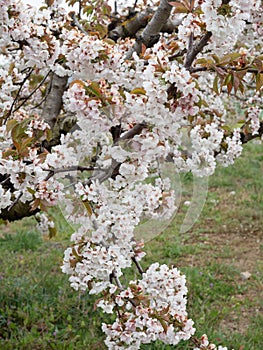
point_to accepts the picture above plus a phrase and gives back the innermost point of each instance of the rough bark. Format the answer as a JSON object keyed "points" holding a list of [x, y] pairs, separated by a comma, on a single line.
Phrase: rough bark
{"points": [[53, 102], [18, 211], [151, 32], [131, 27], [193, 50]]}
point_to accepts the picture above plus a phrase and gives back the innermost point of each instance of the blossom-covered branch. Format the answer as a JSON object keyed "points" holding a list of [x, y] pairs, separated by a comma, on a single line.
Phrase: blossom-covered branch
{"points": [[91, 124]]}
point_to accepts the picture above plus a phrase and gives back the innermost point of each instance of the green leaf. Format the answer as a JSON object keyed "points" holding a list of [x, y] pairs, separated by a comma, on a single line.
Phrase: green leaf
{"points": [[88, 207], [179, 7], [75, 253], [258, 64], [11, 123], [202, 61], [215, 58], [138, 91], [52, 231], [229, 58], [49, 134], [31, 191], [94, 89], [101, 29], [88, 9], [215, 85], [228, 79], [259, 81]]}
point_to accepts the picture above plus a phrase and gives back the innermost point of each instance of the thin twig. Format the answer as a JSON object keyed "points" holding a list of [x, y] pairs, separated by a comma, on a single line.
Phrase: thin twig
{"points": [[72, 168], [204, 69], [79, 14], [117, 280], [138, 265], [135, 4], [32, 93], [5, 180], [18, 92], [178, 54], [77, 24], [15, 201]]}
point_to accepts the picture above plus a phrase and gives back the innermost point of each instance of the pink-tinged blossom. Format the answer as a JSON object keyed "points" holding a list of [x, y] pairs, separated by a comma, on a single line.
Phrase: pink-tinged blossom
{"points": [[44, 223], [50, 192], [191, 25], [206, 345], [234, 149], [164, 293]]}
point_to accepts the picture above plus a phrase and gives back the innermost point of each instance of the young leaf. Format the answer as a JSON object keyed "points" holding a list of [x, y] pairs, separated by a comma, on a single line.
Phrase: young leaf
{"points": [[259, 81], [259, 64], [138, 91], [179, 7], [229, 58], [94, 89], [88, 207], [52, 231], [11, 123], [215, 85]]}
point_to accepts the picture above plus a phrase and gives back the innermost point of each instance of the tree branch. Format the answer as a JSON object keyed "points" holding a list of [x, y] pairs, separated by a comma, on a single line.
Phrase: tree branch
{"points": [[246, 137], [131, 26], [194, 51], [32, 93], [150, 34], [204, 69], [136, 130], [53, 103], [18, 92], [69, 169], [138, 265], [18, 211], [75, 21]]}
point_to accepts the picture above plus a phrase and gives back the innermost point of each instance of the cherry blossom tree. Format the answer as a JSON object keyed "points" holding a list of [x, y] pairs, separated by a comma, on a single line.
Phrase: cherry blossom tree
{"points": [[95, 104]]}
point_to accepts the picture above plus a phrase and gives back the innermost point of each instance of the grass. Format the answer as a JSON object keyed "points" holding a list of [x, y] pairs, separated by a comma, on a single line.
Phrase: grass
{"points": [[38, 309]]}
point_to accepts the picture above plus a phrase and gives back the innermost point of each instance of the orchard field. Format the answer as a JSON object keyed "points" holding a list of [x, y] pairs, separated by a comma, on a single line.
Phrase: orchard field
{"points": [[221, 256]]}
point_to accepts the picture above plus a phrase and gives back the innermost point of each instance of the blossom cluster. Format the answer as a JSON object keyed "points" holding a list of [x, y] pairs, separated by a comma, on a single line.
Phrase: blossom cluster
{"points": [[205, 345], [105, 243], [151, 308]]}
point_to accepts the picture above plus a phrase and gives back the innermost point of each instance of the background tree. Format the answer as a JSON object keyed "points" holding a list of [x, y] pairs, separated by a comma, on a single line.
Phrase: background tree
{"points": [[94, 104]]}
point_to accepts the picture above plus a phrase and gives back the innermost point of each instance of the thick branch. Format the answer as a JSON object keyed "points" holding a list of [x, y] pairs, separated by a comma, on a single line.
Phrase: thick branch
{"points": [[53, 101], [136, 130], [194, 51], [130, 27], [246, 137], [150, 34], [18, 211]]}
